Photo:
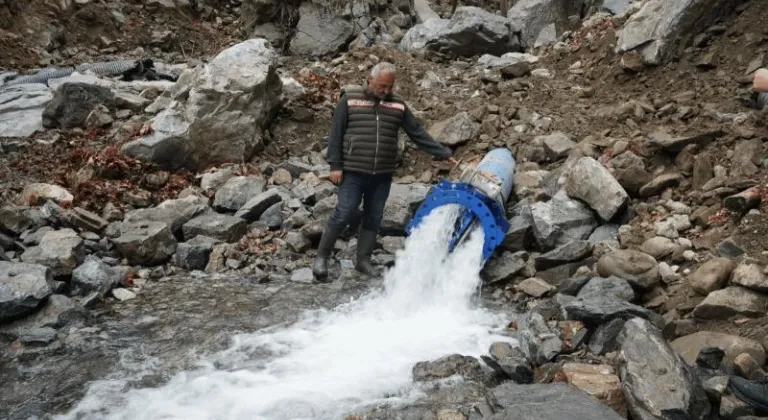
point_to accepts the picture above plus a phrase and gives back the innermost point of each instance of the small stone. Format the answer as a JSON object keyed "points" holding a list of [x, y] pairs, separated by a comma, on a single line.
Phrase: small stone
{"points": [[636, 267], [303, 275], [122, 294], [535, 287], [711, 276]]}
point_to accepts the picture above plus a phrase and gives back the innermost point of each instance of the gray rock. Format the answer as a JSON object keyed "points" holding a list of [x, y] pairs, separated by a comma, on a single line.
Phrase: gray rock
{"points": [[661, 27], [217, 226], [402, 203], [611, 286], [194, 254], [669, 389], [555, 401], [273, 216], [21, 109], [519, 236], [174, 213], [629, 170], [214, 180], [750, 276], [236, 192], [659, 247], [604, 233], [145, 243], [94, 275], [616, 7], [256, 206], [446, 366], [303, 275], [535, 287], [503, 268], [72, 103], [38, 336], [605, 338], [17, 219], [57, 311], [592, 183], [541, 21], [60, 250], [601, 309], [297, 242], [528, 183], [22, 287], [456, 130], [518, 369], [539, 343], [557, 145], [725, 303], [219, 111], [471, 31], [711, 276], [319, 32], [690, 345], [638, 268], [570, 252], [559, 221]]}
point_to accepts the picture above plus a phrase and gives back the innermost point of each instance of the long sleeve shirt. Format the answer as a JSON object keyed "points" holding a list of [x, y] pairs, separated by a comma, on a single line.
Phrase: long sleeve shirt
{"points": [[410, 125]]}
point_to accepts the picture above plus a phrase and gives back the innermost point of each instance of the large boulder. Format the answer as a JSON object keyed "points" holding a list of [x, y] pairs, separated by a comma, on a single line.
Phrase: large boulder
{"points": [[555, 401], [592, 183], [559, 220], [319, 31], [471, 31], [72, 103], [217, 113], [662, 28], [541, 21], [21, 109], [402, 203]]}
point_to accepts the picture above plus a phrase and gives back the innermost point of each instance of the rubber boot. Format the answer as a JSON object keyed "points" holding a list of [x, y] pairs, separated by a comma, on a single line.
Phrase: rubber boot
{"points": [[320, 266], [366, 240]]}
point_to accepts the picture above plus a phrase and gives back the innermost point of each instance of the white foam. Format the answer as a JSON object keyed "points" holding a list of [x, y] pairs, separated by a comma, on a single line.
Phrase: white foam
{"points": [[331, 362]]}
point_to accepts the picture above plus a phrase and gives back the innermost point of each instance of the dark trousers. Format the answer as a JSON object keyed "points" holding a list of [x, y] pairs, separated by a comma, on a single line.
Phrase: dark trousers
{"points": [[372, 190]]}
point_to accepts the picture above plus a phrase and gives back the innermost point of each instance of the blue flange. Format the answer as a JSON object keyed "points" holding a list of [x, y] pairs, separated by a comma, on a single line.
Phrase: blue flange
{"points": [[477, 206]]}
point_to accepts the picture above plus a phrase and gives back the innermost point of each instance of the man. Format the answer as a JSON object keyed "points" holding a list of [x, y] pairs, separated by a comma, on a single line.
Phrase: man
{"points": [[362, 152]]}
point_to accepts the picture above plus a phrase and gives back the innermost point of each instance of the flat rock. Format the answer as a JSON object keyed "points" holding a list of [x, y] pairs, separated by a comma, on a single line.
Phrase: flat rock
{"points": [[711, 276], [592, 183], [21, 109], [145, 243], [658, 184], [597, 310], [555, 401], [217, 226], [60, 250], [237, 191], [663, 139], [535, 287], [734, 300], [599, 381], [638, 268], [23, 287], [690, 345], [570, 252], [256, 206], [655, 379], [750, 276], [174, 213]]}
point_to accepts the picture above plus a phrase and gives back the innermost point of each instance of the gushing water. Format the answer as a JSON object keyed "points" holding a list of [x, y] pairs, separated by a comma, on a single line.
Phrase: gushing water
{"points": [[331, 361]]}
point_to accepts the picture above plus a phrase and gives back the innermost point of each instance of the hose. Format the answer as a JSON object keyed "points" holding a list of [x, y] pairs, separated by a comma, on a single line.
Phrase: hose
{"points": [[106, 68]]}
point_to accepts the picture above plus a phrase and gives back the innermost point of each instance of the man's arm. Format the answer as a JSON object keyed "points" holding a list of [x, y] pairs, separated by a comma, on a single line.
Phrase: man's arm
{"points": [[422, 138], [338, 127]]}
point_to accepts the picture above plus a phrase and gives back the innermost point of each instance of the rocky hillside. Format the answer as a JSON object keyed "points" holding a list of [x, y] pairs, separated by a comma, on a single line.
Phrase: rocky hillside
{"points": [[638, 228]]}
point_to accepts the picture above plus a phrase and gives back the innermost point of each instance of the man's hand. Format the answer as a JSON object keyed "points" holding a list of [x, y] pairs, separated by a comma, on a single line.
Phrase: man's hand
{"points": [[336, 177]]}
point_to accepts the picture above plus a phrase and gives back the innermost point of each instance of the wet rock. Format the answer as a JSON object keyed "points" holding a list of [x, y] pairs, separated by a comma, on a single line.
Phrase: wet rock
{"points": [[557, 145], [611, 286], [195, 253], [669, 389], [217, 226], [556, 401], [470, 31], [145, 243], [72, 103], [23, 287], [510, 362], [725, 303], [638, 268], [711, 276], [456, 130], [56, 312], [37, 194], [219, 111], [319, 33], [503, 268], [402, 202], [446, 366], [539, 343], [518, 235], [60, 250], [570, 252], [38, 336], [256, 206], [689, 346], [656, 29], [174, 213], [592, 183], [599, 381], [750, 276], [94, 275], [559, 221], [236, 192], [597, 310], [535, 287]]}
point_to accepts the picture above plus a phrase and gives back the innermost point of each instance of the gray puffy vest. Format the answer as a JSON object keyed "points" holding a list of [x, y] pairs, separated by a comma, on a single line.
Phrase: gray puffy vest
{"points": [[370, 142]]}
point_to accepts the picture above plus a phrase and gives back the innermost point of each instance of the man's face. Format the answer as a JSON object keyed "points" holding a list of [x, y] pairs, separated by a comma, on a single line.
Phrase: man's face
{"points": [[381, 86]]}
